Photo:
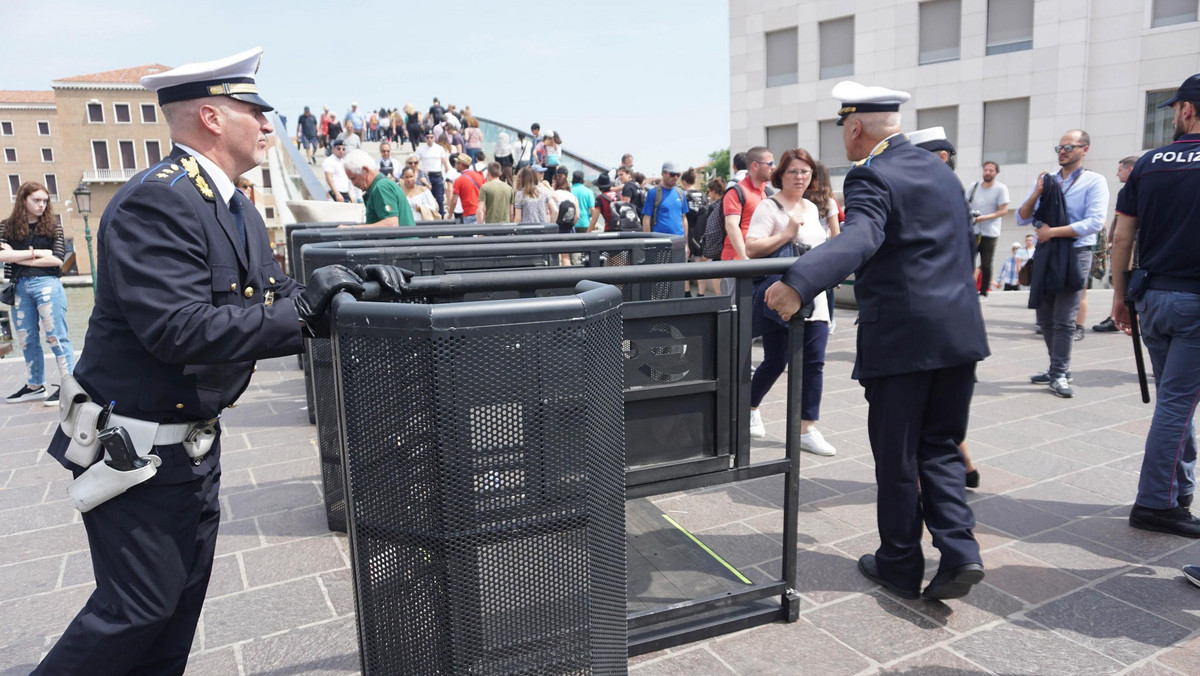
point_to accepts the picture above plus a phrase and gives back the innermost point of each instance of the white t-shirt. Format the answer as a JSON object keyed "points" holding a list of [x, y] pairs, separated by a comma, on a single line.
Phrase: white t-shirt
{"points": [[339, 182], [431, 158], [769, 220], [988, 201], [425, 198]]}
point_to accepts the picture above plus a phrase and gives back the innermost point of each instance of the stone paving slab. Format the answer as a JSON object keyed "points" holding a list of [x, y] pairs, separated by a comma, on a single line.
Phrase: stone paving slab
{"points": [[1070, 588]]}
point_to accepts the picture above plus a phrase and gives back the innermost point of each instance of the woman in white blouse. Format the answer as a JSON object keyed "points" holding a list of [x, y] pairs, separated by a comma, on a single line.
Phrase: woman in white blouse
{"points": [[789, 218]]}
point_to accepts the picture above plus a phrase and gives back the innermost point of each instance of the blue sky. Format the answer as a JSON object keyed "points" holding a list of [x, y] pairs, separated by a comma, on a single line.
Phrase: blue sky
{"points": [[650, 78]]}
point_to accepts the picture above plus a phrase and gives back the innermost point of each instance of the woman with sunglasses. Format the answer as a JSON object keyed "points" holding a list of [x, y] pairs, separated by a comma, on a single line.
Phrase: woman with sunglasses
{"points": [[786, 224], [414, 162], [420, 198]]}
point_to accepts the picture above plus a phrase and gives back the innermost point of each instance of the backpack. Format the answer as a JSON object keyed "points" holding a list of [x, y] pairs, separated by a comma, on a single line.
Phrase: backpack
{"points": [[622, 217], [658, 198], [714, 226], [568, 213], [638, 198]]}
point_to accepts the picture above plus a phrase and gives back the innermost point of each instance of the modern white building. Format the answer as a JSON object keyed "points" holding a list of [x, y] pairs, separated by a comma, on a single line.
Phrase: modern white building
{"points": [[1005, 77]]}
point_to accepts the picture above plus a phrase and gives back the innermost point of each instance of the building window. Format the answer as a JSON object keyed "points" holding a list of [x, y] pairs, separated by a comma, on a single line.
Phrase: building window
{"points": [[47, 154], [121, 113], [6, 128], [95, 113], [100, 154], [10, 154], [1160, 122], [52, 186], [1171, 12], [270, 212], [128, 159], [782, 137], [14, 184], [153, 153], [945, 117], [1006, 131], [837, 47], [1009, 26], [149, 113], [833, 148], [43, 127], [940, 32], [783, 58]]}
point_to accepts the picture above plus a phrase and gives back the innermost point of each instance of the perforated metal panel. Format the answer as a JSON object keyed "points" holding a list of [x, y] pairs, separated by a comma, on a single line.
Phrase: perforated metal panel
{"points": [[485, 469], [490, 254]]}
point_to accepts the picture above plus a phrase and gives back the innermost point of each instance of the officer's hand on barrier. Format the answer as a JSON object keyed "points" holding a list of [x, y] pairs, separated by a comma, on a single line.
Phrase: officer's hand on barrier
{"points": [[392, 280], [323, 284]]}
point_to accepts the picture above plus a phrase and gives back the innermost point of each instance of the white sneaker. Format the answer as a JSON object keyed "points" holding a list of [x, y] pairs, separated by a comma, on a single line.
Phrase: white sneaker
{"points": [[757, 429], [814, 443]]}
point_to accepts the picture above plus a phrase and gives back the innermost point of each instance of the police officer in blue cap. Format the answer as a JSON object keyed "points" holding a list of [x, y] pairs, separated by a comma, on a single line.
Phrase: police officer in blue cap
{"points": [[189, 295], [1160, 206], [920, 334]]}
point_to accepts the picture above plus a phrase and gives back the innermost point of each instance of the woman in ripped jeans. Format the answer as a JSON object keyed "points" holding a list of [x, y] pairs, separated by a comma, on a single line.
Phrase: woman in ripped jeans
{"points": [[32, 248]]}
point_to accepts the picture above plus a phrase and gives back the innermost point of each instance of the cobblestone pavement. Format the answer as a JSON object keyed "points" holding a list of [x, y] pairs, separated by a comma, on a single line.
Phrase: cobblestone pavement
{"points": [[1070, 588]]}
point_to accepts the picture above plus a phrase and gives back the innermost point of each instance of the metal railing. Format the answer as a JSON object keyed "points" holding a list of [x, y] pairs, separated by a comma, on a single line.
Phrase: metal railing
{"points": [[105, 175], [301, 181]]}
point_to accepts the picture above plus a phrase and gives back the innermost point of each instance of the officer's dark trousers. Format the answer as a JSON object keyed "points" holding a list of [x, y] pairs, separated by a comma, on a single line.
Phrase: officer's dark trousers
{"points": [[915, 423], [152, 552]]}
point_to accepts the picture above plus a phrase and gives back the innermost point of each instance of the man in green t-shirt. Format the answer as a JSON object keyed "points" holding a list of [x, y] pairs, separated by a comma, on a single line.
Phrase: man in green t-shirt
{"points": [[387, 207], [495, 197]]}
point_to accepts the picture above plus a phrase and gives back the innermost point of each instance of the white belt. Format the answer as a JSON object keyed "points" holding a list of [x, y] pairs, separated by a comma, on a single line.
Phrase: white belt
{"points": [[165, 434]]}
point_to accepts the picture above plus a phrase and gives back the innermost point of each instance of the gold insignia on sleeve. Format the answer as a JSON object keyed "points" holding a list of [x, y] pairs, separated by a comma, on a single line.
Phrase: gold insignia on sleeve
{"points": [[193, 171]]}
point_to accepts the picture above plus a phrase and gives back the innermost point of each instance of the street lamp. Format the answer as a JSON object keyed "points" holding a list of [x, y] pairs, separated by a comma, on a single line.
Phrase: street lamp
{"points": [[83, 201]]}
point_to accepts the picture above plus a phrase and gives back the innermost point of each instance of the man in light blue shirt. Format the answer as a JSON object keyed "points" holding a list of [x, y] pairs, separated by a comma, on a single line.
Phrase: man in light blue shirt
{"points": [[1086, 195]]}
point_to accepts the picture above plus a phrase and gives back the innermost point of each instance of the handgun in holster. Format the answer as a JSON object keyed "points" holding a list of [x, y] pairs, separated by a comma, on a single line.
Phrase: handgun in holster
{"points": [[121, 469]]}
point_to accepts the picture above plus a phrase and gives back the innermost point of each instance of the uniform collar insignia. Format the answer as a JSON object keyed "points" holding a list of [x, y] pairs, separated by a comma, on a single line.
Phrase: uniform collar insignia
{"points": [[193, 172], [883, 145]]}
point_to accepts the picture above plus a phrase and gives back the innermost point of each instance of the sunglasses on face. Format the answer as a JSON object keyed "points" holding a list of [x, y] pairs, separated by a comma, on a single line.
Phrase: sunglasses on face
{"points": [[673, 175], [1068, 148]]}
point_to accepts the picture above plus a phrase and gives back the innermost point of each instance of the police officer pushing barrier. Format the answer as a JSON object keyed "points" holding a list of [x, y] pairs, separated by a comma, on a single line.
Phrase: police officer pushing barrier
{"points": [[189, 295], [920, 335], [1160, 207]]}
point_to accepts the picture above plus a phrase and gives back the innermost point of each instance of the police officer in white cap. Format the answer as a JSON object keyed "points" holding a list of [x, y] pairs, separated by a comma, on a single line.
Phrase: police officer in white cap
{"points": [[920, 335], [188, 296]]}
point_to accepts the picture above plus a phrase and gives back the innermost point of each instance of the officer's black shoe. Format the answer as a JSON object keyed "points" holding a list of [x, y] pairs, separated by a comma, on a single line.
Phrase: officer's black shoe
{"points": [[866, 566], [1106, 326], [1176, 521], [1192, 573], [954, 583], [1185, 501], [973, 479]]}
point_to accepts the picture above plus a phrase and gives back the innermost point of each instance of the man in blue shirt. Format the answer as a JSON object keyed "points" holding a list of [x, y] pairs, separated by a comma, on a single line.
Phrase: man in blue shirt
{"points": [[666, 205], [586, 199], [1086, 195], [1160, 205], [354, 117]]}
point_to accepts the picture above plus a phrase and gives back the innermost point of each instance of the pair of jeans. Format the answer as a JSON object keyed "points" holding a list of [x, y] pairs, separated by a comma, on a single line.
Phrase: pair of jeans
{"points": [[775, 340], [40, 310], [1056, 315], [1170, 323], [987, 252], [438, 185]]}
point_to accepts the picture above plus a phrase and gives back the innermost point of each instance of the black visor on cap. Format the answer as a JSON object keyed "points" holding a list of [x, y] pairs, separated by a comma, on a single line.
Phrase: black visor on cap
{"points": [[240, 88]]}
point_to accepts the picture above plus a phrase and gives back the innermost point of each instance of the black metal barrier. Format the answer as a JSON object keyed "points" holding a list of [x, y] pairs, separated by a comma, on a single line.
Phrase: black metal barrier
{"points": [[687, 374], [328, 231], [300, 235], [437, 255], [484, 471]]}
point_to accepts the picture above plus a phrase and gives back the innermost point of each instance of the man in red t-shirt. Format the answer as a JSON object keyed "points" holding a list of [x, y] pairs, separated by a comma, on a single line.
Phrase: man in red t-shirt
{"points": [[760, 162], [466, 188]]}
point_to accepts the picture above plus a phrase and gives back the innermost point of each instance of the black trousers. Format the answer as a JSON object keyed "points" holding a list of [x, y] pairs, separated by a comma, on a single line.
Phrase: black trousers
{"points": [[916, 422], [987, 251], [152, 553]]}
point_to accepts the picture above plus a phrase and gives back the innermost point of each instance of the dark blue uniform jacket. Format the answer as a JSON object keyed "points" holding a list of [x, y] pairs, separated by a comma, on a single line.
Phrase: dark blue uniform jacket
{"points": [[180, 316], [907, 242]]}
